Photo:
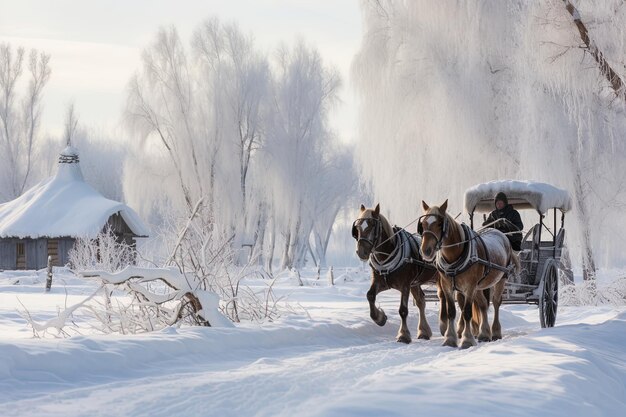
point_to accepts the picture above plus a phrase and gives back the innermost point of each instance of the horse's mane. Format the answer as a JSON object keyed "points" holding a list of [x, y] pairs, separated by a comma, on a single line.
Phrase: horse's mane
{"points": [[386, 225]]}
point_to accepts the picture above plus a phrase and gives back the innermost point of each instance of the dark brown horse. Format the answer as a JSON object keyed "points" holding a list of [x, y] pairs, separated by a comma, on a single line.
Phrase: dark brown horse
{"points": [[396, 263], [469, 263]]}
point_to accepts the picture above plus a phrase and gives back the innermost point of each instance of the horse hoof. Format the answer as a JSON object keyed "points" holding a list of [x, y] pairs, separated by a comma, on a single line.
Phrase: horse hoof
{"points": [[484, 339], [450, 343], [404, 339], [382, 321], [467, 344], [423, 336], [496, 337]]}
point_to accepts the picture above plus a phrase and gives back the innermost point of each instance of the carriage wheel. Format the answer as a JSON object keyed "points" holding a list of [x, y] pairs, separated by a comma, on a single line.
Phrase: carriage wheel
{"points": [[549, 297]]}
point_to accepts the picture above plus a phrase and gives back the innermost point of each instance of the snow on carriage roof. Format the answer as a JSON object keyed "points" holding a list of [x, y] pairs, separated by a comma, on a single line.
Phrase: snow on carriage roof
{"points": [[521, 194], [64, 205]]}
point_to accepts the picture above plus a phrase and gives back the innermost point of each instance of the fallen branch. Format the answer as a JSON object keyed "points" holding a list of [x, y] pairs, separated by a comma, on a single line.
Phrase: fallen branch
{"points": [[204, 305]]}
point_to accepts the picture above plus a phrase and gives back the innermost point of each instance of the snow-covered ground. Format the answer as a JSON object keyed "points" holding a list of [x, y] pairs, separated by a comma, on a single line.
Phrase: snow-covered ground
{"points": [[327, 358]]}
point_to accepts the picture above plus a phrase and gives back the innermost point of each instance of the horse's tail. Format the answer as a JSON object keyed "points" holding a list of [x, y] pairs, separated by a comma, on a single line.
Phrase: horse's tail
{"points": [[515, 262]]}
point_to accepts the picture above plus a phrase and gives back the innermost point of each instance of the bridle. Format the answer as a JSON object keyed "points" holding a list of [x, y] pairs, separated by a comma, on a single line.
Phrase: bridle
{"points": [[373, 236], [444, 229], [405, 248]]}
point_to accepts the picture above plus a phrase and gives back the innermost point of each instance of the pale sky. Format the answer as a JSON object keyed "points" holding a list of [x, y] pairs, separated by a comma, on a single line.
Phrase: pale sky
{"points": [[95, 46]]}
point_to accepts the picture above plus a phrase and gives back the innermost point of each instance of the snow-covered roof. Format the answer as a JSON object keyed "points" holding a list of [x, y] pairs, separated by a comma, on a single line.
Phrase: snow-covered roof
{"points": [[64, 205], [521, 194]]}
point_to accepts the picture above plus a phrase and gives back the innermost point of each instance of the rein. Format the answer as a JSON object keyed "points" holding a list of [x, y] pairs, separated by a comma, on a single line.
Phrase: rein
{"points": [[393, 234]]}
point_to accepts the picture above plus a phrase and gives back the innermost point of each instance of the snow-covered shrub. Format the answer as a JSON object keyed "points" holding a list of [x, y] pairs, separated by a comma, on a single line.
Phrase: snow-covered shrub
{"points": [[593, 292], [104, 253], [209, 257]]}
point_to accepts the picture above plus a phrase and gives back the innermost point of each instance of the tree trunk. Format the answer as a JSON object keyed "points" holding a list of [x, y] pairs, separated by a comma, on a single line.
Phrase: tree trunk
{"points": [[329, 232], [270, 255], [295, 238], [259, 237], [312, 254], [588, 263], [616, 82], [286, 262]]}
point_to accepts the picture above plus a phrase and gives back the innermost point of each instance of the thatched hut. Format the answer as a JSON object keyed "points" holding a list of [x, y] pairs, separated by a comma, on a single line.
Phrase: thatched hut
{"points": [[47, 219]]}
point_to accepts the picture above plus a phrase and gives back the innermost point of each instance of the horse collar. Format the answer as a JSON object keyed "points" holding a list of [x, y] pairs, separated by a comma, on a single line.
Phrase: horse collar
{"points": [[405, 246], [468, 257]]}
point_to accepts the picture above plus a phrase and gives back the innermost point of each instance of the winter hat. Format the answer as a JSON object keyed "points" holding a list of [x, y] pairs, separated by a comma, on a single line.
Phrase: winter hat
{"points": [[502, 197]]}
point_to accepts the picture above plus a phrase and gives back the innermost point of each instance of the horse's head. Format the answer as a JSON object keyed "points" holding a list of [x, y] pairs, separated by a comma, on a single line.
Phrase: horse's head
{"points": [[433, 226], [366, 229]]}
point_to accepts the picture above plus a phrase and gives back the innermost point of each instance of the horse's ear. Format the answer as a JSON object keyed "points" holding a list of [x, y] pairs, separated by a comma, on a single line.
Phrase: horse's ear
{"points": [[362, 208], [444, 206], [425, 206], [377, 210]]}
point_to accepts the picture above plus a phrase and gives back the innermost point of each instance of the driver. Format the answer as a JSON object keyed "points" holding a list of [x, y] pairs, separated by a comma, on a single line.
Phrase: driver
{"points": [[507, 220]]}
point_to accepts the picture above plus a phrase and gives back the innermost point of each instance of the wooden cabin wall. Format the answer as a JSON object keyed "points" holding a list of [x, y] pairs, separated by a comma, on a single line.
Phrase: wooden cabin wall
{"points": [[36, 253], [38, 250], [8, 254], [65, 245]]}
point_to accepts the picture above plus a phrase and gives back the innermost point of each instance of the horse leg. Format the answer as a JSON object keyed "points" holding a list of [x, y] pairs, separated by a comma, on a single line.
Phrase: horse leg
{"points": [[443, 307], [377, 314], [451, 338], [480, 321], [468, 338], [423, 329], [460, 327], [496, 328], [404, 335]]}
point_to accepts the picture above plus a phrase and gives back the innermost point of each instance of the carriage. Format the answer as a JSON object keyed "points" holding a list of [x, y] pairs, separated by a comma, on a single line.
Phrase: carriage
{"points": [[542, 246], [466, 261]]}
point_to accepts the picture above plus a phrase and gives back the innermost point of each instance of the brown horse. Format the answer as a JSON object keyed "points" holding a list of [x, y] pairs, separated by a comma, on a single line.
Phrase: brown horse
{"points": [[396, 263], [475, 265]]}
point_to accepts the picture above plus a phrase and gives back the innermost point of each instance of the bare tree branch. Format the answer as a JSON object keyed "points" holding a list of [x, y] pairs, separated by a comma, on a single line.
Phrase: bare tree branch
{"points": [[590, 47]]}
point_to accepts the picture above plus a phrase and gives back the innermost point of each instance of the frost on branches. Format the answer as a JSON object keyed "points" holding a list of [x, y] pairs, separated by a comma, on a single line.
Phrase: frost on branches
{"points": [[200, 284]]}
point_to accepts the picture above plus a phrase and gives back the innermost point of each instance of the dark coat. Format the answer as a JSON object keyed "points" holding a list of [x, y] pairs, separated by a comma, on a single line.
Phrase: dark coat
{"points": [[513, 224]]}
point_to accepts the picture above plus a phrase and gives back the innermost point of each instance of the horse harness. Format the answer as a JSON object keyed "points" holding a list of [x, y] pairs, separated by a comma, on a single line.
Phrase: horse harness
{"points": [[469, 257], [405, 251]]}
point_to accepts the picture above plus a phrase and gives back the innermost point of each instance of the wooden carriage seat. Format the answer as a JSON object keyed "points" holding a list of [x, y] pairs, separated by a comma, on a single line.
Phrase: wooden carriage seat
{"points": [[529, 255]]}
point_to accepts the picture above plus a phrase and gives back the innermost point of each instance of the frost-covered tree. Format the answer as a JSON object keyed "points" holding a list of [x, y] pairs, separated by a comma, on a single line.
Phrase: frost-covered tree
{"points": [[249, 138], [335, 184], [235, 80], [304, 93], [20, 114], [161, 108], [512, 92]]}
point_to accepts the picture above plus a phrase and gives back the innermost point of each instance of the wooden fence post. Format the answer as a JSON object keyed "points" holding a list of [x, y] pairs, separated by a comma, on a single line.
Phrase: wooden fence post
{"points": [[331, 277], [49, 272]]}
